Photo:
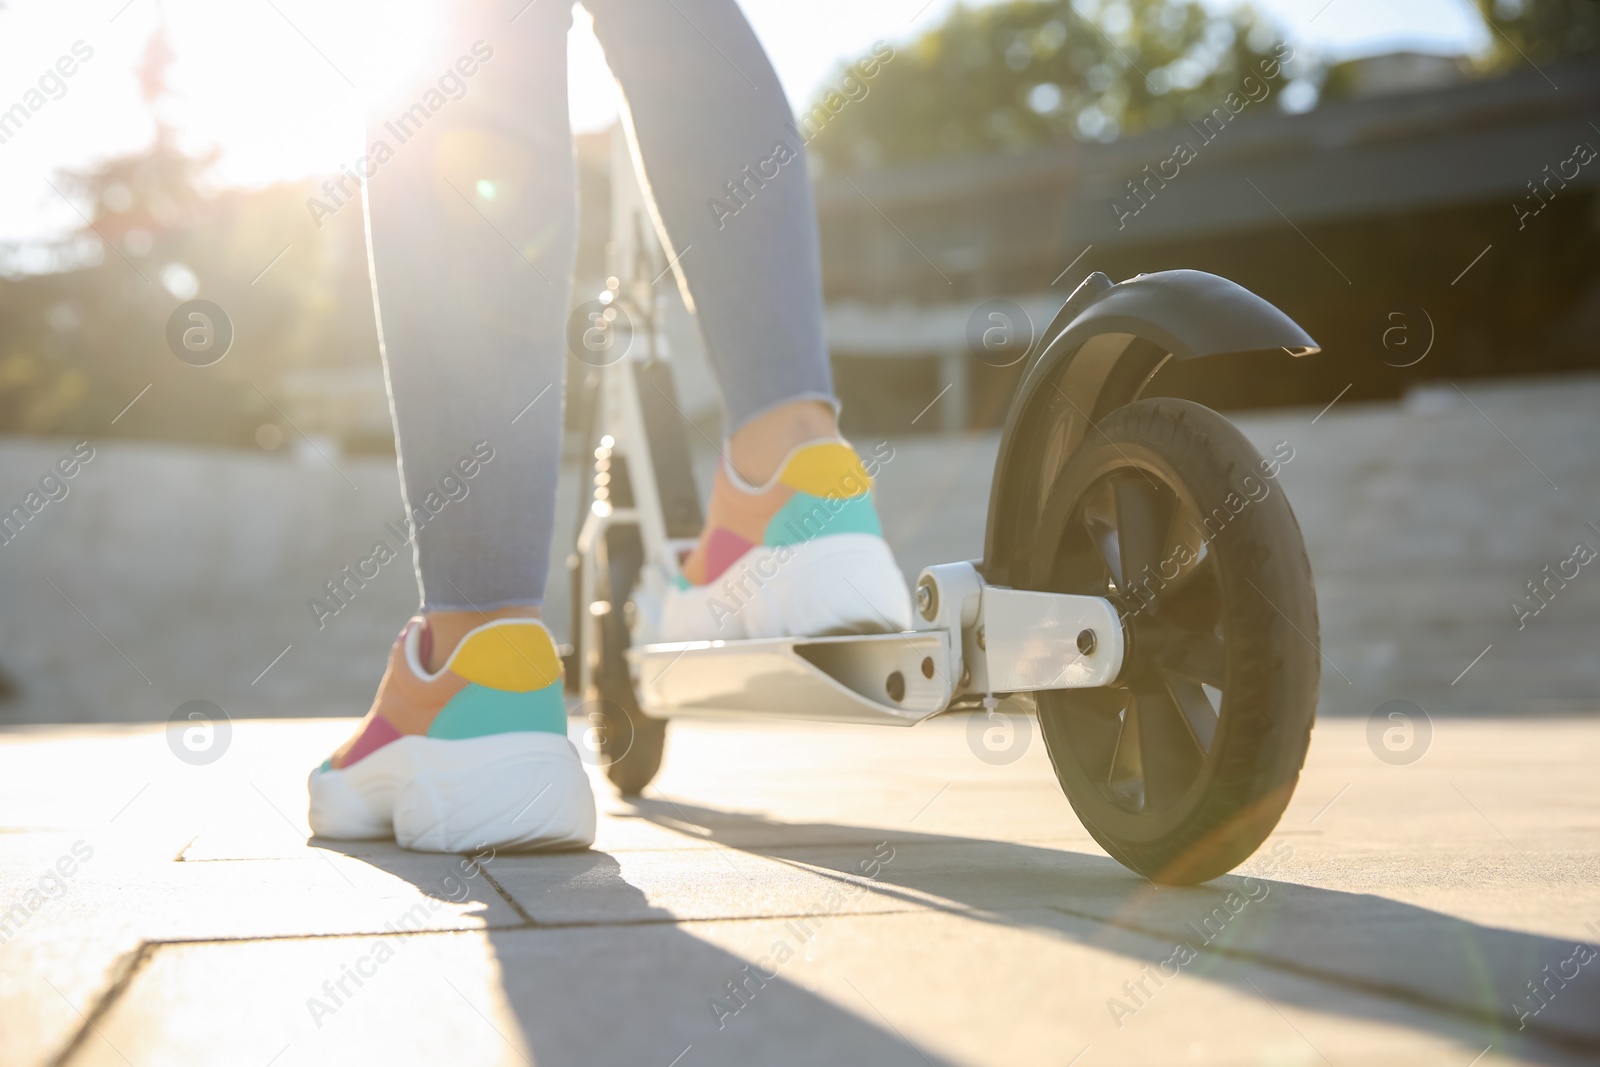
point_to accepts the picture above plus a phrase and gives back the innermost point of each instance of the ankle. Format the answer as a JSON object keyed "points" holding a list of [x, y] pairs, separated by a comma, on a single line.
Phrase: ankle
{"points": [[757, 448], [447, 628]]}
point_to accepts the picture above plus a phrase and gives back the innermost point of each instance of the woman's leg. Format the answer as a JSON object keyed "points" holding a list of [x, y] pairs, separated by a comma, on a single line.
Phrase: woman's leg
{"points": [[471, 218], [727, 171], [792, 544], [472, 237]]}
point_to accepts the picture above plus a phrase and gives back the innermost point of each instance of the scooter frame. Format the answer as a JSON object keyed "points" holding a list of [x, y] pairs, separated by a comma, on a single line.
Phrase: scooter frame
{"points": [[974, 639]]}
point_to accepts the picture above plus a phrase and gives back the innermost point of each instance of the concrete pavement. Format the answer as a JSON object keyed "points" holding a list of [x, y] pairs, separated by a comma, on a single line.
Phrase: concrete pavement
{"points": [[801, 894]]}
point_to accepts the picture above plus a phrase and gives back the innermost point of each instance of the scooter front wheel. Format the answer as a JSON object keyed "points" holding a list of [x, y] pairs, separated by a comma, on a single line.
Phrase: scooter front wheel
{"points": [[1182, 767], [631, 743]]}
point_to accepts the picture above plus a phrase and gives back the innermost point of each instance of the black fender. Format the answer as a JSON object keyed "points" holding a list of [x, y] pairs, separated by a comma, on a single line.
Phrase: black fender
{"points": [[1098, 354]]}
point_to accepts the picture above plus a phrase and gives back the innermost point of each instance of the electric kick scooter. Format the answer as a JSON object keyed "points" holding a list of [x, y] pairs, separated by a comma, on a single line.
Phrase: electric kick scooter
{"points": [[1138, 590]]}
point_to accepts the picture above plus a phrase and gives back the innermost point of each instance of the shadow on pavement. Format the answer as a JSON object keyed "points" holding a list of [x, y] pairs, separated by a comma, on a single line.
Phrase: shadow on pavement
{"points": [[1481, 976], [640, 991], [605, 965]]}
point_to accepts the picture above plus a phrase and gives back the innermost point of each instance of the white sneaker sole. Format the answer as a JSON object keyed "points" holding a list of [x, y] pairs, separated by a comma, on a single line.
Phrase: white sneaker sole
{"points": [[518, 790], [840, 583]]}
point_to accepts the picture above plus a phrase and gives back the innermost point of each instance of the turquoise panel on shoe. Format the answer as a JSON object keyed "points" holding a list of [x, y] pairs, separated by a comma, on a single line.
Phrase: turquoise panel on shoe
{"points": [[478, 711], [806, 517]]}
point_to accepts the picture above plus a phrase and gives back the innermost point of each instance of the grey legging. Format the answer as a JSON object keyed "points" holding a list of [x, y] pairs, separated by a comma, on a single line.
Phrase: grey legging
{"points": [[472, 224]]}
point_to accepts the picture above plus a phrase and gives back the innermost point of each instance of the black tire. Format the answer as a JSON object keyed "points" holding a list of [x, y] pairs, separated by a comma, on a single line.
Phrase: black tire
{"points": [[1167, 510], [631, 743]]}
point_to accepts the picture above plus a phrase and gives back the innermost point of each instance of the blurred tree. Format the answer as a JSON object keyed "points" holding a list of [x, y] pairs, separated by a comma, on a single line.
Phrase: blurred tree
{"points": [[1029, 72], [1541, 31], [78, 344]]}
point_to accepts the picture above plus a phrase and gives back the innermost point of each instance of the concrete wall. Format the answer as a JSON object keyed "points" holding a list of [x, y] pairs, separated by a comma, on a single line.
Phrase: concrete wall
{"points": [[1424, 522]]}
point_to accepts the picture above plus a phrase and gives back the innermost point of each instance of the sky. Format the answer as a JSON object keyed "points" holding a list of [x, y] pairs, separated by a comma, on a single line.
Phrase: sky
{"points": [[269, 82]]}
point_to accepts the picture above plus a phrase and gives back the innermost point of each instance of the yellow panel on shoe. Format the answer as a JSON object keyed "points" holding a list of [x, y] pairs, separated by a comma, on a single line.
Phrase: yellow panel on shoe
{"points": [[520, 657], [830, 468]]}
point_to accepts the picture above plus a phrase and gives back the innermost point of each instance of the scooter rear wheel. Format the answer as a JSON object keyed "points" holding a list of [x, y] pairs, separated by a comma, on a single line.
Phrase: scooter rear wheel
{"points": [[1182, 767]]}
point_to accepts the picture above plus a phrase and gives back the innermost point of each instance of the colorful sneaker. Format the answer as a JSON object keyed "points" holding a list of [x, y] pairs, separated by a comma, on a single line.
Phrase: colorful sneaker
{"points": [[802, 556], [476, 755]]}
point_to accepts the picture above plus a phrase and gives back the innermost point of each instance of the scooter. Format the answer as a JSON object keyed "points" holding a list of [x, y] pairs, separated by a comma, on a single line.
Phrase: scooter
{"points": [[1139, 591]]}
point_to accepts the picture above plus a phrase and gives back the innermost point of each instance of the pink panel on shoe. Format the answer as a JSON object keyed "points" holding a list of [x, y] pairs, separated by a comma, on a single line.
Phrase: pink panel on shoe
{"points": [[723, 549], [379, 732]]}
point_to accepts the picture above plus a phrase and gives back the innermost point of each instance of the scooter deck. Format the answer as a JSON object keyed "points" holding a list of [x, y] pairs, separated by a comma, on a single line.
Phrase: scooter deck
{"points": [[896, 679]]}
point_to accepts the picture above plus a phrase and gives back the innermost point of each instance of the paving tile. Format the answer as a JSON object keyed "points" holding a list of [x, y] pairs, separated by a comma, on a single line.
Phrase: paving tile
{"points": [[1036, 987], [844, 817], [1031, 987], [325, 894], [655, 886], [1370, 942], [48, 984], [1451, 881], [618, 995], [77, 931]]}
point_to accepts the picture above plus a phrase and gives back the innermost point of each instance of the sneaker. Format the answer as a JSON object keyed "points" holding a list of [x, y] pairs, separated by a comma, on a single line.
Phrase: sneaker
{"points": [[474, 756], [802, 556]]}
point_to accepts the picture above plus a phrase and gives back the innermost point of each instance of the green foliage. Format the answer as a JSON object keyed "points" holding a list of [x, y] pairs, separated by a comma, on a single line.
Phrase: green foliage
{"points": [[1540, 31], [1033, 72]]}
